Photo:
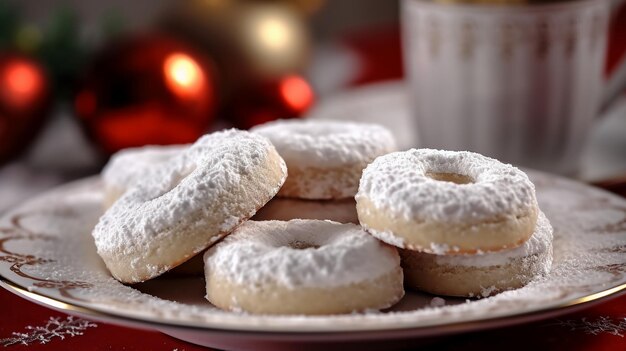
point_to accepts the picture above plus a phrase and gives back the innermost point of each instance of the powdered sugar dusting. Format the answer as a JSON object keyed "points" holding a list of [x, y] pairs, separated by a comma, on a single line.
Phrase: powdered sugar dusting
{"points": [[229, 223], [262, 252], [386, 237], [397, 183], [326, 143], [130, 166]]}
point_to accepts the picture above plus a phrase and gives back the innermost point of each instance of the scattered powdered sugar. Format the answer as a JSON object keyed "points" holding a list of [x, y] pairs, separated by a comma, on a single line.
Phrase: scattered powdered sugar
{"points": [[398, 183], [230, 222], [539, 242], [129, 166], [330, 254], [326, 143], [487, 291]]}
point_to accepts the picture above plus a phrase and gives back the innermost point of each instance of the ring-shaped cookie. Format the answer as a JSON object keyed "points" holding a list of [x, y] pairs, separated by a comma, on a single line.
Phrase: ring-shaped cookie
{"points": [[446, 202], [306, 267], [187, 204]]}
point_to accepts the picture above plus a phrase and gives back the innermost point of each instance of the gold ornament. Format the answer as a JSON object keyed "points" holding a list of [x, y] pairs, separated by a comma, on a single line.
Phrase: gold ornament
{"points": [[261, 38]]}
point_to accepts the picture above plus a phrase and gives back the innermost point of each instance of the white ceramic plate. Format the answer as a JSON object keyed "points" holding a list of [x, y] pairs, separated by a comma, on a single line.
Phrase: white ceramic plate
{"points": [[47, 255]]}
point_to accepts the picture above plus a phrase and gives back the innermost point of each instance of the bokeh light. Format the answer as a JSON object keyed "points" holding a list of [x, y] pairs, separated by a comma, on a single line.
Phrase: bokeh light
{"points": [[183, 75], [21, 82], [296, 92], [274, 32]]}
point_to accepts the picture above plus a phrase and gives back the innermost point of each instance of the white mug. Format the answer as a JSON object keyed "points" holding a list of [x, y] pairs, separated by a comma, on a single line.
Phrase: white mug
{"points": [[521, 83]]}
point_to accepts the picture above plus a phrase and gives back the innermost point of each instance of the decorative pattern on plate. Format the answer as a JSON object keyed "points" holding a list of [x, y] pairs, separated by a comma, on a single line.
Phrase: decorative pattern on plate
{"points": [[20, 261], [46, 247]]}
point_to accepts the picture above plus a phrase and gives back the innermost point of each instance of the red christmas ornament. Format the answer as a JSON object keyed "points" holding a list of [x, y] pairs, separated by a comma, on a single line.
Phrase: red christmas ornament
{"points": [[24, 103], [147, 90], [288, 97]]}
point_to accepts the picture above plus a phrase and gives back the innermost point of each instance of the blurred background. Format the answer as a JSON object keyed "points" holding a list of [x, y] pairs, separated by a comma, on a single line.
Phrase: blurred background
{"points": [[80, 80]]}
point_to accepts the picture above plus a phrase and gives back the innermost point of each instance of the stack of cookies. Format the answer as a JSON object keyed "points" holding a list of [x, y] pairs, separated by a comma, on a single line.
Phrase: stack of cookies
{"points": [[325, 160], [466, 224], [320, 217]]}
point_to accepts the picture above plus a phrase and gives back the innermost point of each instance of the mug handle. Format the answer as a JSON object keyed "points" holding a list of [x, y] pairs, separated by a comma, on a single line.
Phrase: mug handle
{"points": [[616, 73]]}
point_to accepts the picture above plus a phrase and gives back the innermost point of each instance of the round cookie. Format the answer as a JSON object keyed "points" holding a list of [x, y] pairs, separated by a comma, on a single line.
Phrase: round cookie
{"points": [[284, 209], [305, 267], [325, 159], [187, 204], [481, 275], [129, 166], [446, 202]]}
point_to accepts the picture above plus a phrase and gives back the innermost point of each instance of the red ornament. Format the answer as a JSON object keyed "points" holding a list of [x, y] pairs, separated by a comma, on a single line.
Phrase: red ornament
{"points": [[147, 90], [287, 97], [24, 103]]}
